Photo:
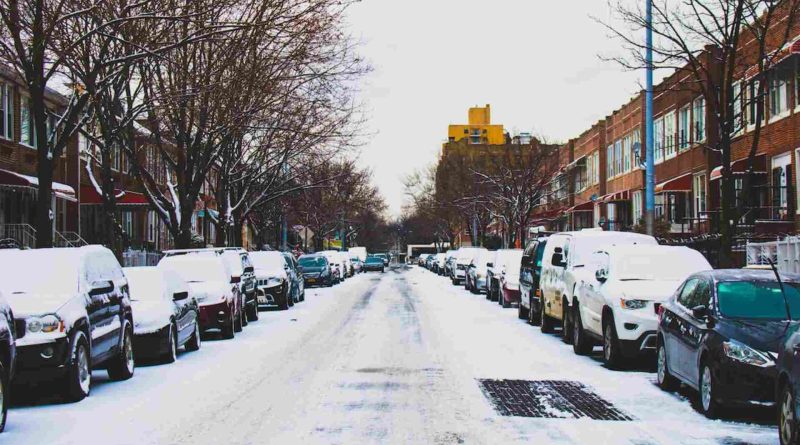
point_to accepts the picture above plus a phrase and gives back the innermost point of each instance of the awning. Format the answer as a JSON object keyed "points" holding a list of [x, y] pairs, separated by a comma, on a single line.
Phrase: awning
{"points": [[740, 167], [580, 162], [585, 207], [624, 195], [13, 179], [89, 196], [682, 183]]}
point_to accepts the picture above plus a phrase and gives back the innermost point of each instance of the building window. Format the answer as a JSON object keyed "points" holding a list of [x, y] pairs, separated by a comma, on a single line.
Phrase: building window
{"points": [[781, 183], [610, 161], [6, 111], [636, 201], [683, 128], [618, 157], [738, 116], [658, 138], [779, 94], [699, 189], [152, 226], [669, 135], [114, 154], [699, 120], [755, 102]]}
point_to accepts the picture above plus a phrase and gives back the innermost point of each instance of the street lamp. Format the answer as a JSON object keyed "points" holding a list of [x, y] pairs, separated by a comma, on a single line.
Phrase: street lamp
{"points": [[650, 180]]}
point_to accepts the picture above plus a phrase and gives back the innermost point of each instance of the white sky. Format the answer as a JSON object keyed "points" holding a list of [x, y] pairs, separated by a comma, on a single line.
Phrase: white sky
{"points": [[535, 61]]}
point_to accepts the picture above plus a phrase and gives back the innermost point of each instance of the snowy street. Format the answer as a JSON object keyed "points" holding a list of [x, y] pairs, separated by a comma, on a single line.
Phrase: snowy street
{"points": [[400, 357]]}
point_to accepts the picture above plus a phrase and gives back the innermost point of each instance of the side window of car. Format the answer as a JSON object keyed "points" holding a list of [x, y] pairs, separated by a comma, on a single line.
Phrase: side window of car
{"points": [[687, 293], [566, 252], [702, 295]]}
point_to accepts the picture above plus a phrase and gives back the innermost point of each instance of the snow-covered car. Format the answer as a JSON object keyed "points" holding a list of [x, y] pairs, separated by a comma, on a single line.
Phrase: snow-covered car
{"points": [[273, 287], [563, 269], [463, 257], [449, 263], [357, 264], [349, 271], [509, 279], [530, 273], [165, 315], [337, 270], [617, 304], [8, 354], [358, 252], [493, 271], [438, 268], [316, 270], [422, 258], [298, 286], [374, 263], [73, 318], [475, 280], [210, 282]]}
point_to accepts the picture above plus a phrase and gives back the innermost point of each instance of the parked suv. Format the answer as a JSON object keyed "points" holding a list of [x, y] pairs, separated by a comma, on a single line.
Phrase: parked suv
{"points": [[73, 318], [563, 268], [530, 300], [8, 354], [274, 285], [298, 286], [475, 280], [617, 306]]}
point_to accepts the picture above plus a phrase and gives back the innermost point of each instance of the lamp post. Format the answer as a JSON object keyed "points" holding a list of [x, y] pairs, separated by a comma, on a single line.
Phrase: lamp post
{"points": [[650, 183]]}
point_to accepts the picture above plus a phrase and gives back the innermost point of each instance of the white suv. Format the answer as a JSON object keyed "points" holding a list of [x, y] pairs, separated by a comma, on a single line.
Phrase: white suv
{"points": [[463, 258], [563, 268], [617, 303]]}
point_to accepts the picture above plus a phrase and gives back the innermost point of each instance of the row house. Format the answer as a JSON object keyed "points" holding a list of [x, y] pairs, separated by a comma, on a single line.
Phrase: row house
{"points": [[624, 177], [588, 178]]}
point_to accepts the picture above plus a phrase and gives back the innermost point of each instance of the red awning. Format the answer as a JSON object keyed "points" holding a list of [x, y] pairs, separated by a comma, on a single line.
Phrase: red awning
{"points": [[585, 207], [624, 195], [14, 179], [739, 167], [89, 196], [682, 183]]}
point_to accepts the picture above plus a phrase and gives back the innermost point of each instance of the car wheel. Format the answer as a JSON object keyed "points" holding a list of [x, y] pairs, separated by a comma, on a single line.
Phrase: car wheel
{"points": [[665, 380], [228, 331], [522, 311], [611, 352], [708, 403], [252, 310], [194, 341], [284, 304], [581, 344], [237, 325], [534, 317], [547, 324], [122, 366], [787, 418], [3, 397], [303, 295], [503, 302], [243, 315], [566, 323], [79, 376], [172, 354]]}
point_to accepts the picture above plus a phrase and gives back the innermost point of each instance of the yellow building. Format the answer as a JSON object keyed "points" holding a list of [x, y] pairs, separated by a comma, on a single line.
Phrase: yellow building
{"points": [[479, 130]]}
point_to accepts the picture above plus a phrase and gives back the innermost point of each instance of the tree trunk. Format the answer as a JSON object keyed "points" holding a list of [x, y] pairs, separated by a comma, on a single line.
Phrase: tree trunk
{"points": [[44, 172]]}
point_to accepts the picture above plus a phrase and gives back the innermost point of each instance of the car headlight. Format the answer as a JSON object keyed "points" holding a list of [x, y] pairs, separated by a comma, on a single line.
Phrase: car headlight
{"points": [[45, 324], [745, 354], [632, 304]]}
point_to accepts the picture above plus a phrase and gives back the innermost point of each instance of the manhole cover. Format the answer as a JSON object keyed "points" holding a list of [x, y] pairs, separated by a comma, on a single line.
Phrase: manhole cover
{"points": [[551, 399]]}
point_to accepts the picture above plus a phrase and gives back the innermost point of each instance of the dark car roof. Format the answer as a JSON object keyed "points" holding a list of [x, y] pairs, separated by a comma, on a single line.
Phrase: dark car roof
{"points": [[747, 275]]}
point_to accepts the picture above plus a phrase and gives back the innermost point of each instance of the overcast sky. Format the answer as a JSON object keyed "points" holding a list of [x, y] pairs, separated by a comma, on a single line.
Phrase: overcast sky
{"points": [[535, 61]]}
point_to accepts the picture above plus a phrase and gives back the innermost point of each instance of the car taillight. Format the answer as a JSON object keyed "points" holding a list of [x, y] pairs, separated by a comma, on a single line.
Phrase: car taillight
{"points": [[660, 311]]}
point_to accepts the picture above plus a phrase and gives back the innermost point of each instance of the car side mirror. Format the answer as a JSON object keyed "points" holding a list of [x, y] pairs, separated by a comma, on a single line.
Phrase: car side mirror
{"points": [[526, 260], [489, 264], [178, 296], [700, 312], [101, 287], [236, 279], [601, 275], [557, 259]]}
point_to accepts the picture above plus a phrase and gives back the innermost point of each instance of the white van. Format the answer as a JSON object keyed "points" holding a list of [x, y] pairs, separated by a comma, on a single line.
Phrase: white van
{"points": [[563, 266]]}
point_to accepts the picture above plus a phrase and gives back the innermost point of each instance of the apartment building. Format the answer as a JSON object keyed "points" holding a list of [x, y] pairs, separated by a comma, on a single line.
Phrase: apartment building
{"points": [[588, 179]]}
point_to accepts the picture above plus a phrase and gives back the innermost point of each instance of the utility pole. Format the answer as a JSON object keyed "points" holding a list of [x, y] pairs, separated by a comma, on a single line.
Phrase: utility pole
{"points": [[650, 180]]}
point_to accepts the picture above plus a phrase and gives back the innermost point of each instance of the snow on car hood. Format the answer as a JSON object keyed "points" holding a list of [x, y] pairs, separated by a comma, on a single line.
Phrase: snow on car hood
{"points": [[150, 316], [653, 290], [24, 304], [263, 274], [209, 292]]}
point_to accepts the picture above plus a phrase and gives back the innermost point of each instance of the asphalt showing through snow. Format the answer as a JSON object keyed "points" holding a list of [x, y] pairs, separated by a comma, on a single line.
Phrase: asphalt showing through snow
{"points": [[398, 358]]}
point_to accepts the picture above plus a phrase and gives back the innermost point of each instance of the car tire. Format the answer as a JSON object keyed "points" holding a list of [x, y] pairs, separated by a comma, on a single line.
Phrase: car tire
{"points": [[303, 295], [4, 393], [664, 379], [581, 343], [787, 416], [566, 323], [522, 312], [611, 350], [78, 378], [503, 302], [229, 331], [534, 318], [194, 342], [548, 324], [237, 322], [284, 304], [252, 310], [243, 315], [172, 353], [708, 403], [122, 366]]}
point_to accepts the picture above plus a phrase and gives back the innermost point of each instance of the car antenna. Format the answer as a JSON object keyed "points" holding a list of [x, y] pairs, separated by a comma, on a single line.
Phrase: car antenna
{"points": [[780, 282]]}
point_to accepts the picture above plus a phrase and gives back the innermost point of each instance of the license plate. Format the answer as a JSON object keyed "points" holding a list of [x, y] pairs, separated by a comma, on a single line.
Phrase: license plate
{"points": [[312, 280]]}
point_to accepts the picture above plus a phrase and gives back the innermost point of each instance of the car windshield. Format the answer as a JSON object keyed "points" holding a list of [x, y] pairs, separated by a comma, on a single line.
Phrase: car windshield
{"points": [[145, 284], [758, 299], [374, 260], [653, 265], [311, 261], [540, 253], [267, 260], [196, 270], [22, 272]]}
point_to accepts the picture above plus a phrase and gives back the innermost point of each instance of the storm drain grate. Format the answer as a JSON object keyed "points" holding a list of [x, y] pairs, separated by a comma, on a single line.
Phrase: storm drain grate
{"points": [[552, 399]]}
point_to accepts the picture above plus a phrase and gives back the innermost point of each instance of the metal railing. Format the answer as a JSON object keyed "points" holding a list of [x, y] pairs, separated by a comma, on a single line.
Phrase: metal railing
{"points": [[137, 258], [23, 234], [74, 239]]}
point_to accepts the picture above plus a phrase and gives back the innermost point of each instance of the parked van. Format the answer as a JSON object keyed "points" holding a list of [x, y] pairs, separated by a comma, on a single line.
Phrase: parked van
{"points": [[530, 273], [563, 266]]}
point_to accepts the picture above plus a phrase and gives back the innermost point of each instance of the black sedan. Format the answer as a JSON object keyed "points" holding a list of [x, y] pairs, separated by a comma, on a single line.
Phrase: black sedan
{"points": [[316, 270], [719, 334], [375, 264], [7, 357]]}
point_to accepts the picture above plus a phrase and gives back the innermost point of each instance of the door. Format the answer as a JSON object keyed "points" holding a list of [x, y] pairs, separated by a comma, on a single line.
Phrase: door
{"points": [[674, 323], [593, 301], [183, 309], [104, 319], [695, 332]]}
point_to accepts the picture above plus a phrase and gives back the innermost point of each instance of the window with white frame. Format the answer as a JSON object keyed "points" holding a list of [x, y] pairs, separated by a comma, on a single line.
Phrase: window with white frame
{"points": [[779, 93], [626, 150], [152, 226], [738, 115], [669, 135], [6, 111], [618, 157], [699, 120], [658, 140], [659, 206], [596, 168], [127, 222], [699, 191], [636, 200], [610, 161], [755, 102], [114, 154], [683, 128]]}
